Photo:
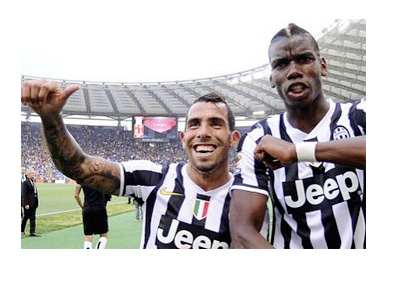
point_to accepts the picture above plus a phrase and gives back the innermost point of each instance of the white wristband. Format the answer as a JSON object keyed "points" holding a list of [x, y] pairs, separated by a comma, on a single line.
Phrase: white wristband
{"points": [[306, 151]]}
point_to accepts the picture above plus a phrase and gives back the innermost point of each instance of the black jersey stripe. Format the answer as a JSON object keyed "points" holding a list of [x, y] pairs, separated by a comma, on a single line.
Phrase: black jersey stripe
{"points": [[335, 118], [303, 230], [150, 204], [260, 167], [331, 232], [175, 202], [357, 118], [224, 226], [355, 212], [275, 204], [239, 148], [240, 144], [123, 180], [143, 178]]}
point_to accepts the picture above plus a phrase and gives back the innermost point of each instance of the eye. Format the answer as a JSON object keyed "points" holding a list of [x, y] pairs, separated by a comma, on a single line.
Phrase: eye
{"points": [[216, 123], [193, 124], [305, 59], [278, 64]]}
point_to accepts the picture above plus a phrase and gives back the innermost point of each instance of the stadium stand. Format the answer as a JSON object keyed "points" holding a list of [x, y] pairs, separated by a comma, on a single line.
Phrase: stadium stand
{"points": [[109, 142], [249, 94], [343, 44]]}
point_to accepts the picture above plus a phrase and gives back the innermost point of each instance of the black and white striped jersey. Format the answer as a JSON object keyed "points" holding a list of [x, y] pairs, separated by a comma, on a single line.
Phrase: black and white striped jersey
{"points": [[314, 206], [176, 212]]}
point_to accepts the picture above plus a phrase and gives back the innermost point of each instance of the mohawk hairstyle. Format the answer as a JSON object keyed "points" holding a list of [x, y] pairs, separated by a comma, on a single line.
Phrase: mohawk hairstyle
{"points": [[214, 97], [294, 30]]}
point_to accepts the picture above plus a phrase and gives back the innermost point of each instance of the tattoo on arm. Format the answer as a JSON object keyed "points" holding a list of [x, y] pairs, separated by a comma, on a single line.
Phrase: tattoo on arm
{"points": [[69, 158]]}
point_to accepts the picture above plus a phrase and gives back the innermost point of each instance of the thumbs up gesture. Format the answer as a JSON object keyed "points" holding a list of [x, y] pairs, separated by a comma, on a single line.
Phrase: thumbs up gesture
{"points": [[45, 97]]}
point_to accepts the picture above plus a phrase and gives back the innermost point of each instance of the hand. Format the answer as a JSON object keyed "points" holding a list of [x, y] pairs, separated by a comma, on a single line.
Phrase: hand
{"points": [[275, 152], [27, 207], [46, 97]]}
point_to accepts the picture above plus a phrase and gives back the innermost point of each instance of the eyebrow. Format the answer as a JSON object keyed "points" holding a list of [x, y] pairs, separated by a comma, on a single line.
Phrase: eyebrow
{"points": [[296, 57], [195, 119]]}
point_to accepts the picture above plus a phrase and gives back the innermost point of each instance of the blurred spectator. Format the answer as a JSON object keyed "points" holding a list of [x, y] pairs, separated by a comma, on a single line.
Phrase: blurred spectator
{"points": [[111, 143]]}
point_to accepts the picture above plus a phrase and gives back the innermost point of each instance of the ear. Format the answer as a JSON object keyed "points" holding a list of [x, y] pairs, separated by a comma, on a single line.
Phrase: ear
{"points": [[324, 67], [271, 81], [182, 137], [235, 137]]}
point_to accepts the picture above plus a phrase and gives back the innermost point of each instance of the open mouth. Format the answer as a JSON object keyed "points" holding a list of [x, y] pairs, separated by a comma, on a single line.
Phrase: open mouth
{"points": [[297, 89], [204, 148]]}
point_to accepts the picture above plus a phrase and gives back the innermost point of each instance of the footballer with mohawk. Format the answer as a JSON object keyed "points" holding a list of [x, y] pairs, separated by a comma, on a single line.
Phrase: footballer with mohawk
{"points": [[309, 161]]}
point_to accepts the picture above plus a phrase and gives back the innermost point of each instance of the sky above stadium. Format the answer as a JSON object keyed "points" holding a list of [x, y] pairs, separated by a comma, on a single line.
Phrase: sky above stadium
{"points": [[150, 41]]}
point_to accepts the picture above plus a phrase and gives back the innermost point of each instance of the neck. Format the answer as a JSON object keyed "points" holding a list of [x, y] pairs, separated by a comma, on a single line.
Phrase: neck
{"points": [[208, 180], [306, 118]]}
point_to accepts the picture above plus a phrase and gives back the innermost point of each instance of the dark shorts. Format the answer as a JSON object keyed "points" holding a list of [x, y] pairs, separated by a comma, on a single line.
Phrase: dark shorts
{"points": [[95, 220]]}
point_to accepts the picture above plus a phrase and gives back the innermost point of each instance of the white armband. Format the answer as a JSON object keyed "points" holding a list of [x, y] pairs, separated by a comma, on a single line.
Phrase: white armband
{"points": [[306, 151]]}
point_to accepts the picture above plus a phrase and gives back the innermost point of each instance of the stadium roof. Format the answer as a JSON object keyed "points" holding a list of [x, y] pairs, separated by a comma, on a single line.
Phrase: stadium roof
{"points": [[248, 92]]}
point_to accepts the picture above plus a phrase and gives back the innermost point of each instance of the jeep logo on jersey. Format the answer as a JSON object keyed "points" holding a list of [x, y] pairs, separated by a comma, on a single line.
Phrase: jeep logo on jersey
{"points": [[176, 234], [326, 189]]}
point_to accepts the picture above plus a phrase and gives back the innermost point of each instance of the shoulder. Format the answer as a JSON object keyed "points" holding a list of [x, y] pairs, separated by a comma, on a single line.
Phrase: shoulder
{"points": [[353, 106], [144, 165], [262, 128]]}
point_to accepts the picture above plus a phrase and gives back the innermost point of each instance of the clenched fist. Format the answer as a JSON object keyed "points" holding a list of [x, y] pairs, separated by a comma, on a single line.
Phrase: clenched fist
{"points": [[275, 152]]}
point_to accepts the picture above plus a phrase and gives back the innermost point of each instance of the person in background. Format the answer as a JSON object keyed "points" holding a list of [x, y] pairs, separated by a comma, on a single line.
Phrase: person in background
{"points": [[23, 179], [94, 216], [138, 210], [30, 203]]}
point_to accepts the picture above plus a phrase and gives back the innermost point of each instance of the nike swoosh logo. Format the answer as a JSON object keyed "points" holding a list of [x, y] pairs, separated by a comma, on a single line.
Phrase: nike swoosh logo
{"points": [[164, 192]]}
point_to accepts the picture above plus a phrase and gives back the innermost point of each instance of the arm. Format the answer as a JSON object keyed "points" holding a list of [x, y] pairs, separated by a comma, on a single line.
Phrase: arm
{"points": [[247, 212], [47, 100], [350, 152], [25, 203], [78, 189], [278, 153]]}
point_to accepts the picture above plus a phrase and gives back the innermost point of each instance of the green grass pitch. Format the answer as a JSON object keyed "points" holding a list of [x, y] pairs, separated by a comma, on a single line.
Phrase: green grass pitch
{"points": [[59, 221]]}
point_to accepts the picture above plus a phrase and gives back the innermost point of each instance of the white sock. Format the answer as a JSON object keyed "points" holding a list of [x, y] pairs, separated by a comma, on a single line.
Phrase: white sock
{"points": [[87, 245], [101, 244]]}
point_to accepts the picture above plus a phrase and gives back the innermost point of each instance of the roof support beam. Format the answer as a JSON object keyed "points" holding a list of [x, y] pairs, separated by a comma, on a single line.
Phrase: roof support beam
{"points": [[260, 89], [270, 108], [87, 100], [191, 91], [178, 97], [112, 101], [246, 108], [156, 98], [135, 100]]}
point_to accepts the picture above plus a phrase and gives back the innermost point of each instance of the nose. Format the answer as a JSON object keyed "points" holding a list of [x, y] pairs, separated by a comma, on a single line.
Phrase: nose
{"points": [[203, 131], [294, 70]]}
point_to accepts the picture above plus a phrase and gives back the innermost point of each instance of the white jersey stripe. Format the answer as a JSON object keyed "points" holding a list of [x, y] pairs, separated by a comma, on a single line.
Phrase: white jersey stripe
{"points": [[343, 221], [360, 230], [314, 221]]}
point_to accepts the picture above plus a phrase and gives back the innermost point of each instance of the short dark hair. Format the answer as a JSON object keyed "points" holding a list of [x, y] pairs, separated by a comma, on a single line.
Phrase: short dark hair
{"points": [[214, 97], [293, 30]]}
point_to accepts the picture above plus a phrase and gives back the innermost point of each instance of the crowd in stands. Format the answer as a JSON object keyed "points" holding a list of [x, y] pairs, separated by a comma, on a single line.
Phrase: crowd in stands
{"points": [[112, 143]]}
